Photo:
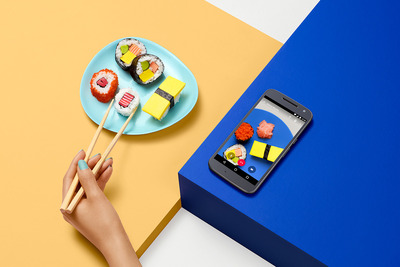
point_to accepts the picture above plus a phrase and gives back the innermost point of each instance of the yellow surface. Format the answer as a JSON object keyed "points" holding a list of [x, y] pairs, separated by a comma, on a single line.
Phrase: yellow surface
{"points": [[41, 134], [172, 86], [146, 75], [258, 149], [156, 105], [128, 57], [274, 153]]}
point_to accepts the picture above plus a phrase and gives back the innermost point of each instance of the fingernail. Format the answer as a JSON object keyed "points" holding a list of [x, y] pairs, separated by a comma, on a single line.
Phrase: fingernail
{"points": [[82, 165], [95, 155], [109, 158]]}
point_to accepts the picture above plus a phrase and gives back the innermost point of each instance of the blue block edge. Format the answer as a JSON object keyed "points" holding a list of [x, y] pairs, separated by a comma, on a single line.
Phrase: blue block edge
{"points": [[254, 236]]}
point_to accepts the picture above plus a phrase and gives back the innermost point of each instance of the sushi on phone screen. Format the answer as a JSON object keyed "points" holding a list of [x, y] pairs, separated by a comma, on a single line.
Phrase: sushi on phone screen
{"points": [[259, 140]]}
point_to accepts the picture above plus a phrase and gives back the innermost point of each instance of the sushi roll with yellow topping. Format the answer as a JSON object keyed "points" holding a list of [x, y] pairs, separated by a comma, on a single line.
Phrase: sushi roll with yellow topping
{"points": [[127, 50], [146, 69]]}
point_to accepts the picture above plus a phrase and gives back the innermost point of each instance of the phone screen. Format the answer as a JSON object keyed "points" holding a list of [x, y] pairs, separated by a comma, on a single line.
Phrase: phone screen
{"points": [[260, 139]]}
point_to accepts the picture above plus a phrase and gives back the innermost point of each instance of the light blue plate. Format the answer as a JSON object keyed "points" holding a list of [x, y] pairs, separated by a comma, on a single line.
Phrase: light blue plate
{"points": [[141, 123]]}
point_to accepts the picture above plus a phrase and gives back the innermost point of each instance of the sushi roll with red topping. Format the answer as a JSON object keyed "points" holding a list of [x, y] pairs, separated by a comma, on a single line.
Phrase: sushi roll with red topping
{"points": [[146, 69], [244, 132], [103, 85], [127, 50], [126, 101]]}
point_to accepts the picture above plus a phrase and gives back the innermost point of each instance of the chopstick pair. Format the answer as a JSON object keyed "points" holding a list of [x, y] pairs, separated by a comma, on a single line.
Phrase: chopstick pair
{"points": [[70, 203]]}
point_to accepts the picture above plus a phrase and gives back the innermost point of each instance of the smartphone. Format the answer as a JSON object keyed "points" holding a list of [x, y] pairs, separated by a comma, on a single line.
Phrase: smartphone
{"points": [[261, 139]]}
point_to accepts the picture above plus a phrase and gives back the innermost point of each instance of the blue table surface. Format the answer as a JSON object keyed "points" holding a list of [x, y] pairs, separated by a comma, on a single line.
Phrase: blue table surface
{"points": [[336, 193]]}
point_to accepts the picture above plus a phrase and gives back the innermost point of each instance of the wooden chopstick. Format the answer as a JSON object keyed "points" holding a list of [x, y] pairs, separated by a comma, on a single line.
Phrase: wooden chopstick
{"points": [[75, 182], [96, 169]]}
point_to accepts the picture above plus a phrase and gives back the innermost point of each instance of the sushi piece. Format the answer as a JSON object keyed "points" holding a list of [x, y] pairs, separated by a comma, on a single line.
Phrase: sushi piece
{"points": [[103, 85], [146, 69], [164, 98], [265, 151], [127, 50], [236, 154], [244, 132], [264, 129], [126, 101]]}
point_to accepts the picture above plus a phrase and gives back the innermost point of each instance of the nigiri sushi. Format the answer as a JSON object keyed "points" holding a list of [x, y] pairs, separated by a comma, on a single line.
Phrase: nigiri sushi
{"points": [[126, 101], [265, 151], [264, 129], [164, 98]]}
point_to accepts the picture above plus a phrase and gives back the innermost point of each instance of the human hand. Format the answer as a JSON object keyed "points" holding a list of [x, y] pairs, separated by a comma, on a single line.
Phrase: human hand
{"points": [[95, 217]]}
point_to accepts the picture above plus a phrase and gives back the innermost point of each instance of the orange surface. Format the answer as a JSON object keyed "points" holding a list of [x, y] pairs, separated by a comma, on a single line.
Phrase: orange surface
{"points": [[43, 124]]}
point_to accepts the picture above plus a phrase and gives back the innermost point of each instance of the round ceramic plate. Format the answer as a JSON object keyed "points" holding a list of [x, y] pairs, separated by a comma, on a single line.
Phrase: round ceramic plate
{"points": [[141, 123]]}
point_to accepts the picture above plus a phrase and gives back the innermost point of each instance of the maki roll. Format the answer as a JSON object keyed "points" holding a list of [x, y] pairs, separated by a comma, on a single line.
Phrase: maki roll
{"points": [[127, 50], [146, 68], [236, 154], [265, 151], [164, 98], [126, 101], [103, 85], [244, 132]]}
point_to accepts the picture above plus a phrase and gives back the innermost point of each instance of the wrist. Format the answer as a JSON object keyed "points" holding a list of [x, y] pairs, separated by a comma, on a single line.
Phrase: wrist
{"points": [[118, 251]]}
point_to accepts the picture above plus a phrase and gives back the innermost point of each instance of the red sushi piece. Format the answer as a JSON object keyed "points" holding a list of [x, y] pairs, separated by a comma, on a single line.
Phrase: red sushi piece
{"points": [[264, 129], [244, 132], [126, 100], [102, 82], [107, 93]]}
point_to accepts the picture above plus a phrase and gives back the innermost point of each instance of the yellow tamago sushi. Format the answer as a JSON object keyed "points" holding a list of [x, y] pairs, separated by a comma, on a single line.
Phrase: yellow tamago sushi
{"points": [[164, 98], [265, 151]]}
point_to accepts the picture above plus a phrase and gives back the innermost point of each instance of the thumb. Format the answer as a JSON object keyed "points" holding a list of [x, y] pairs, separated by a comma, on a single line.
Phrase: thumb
{"points": [[87, 179]]}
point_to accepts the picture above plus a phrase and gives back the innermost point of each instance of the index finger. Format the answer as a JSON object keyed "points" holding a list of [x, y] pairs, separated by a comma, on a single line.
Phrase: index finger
{"points": [[70, 174]]}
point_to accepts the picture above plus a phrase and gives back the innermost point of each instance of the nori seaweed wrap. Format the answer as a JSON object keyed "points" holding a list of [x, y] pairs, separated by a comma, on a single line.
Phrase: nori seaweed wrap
{"points": [[146, 68], [127, 50]]}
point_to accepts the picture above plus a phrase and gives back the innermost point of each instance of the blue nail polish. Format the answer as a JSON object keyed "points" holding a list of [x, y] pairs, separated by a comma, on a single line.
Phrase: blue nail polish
{"points": [[82, 165], [95, 155]]}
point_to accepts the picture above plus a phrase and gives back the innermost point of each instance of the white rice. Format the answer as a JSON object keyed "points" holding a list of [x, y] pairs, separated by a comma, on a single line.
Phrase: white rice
{"points": [[243, 156], [131, 107], [150, 58], [129, 42], [176, 100]]}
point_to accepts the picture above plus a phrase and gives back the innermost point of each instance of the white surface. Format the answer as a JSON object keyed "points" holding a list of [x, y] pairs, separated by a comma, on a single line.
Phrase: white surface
{"points": [[187, 241], [276, 18]]}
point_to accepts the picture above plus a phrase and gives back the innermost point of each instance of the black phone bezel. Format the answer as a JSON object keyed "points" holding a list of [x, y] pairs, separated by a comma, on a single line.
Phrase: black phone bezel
{"points": [[240, 182]]}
